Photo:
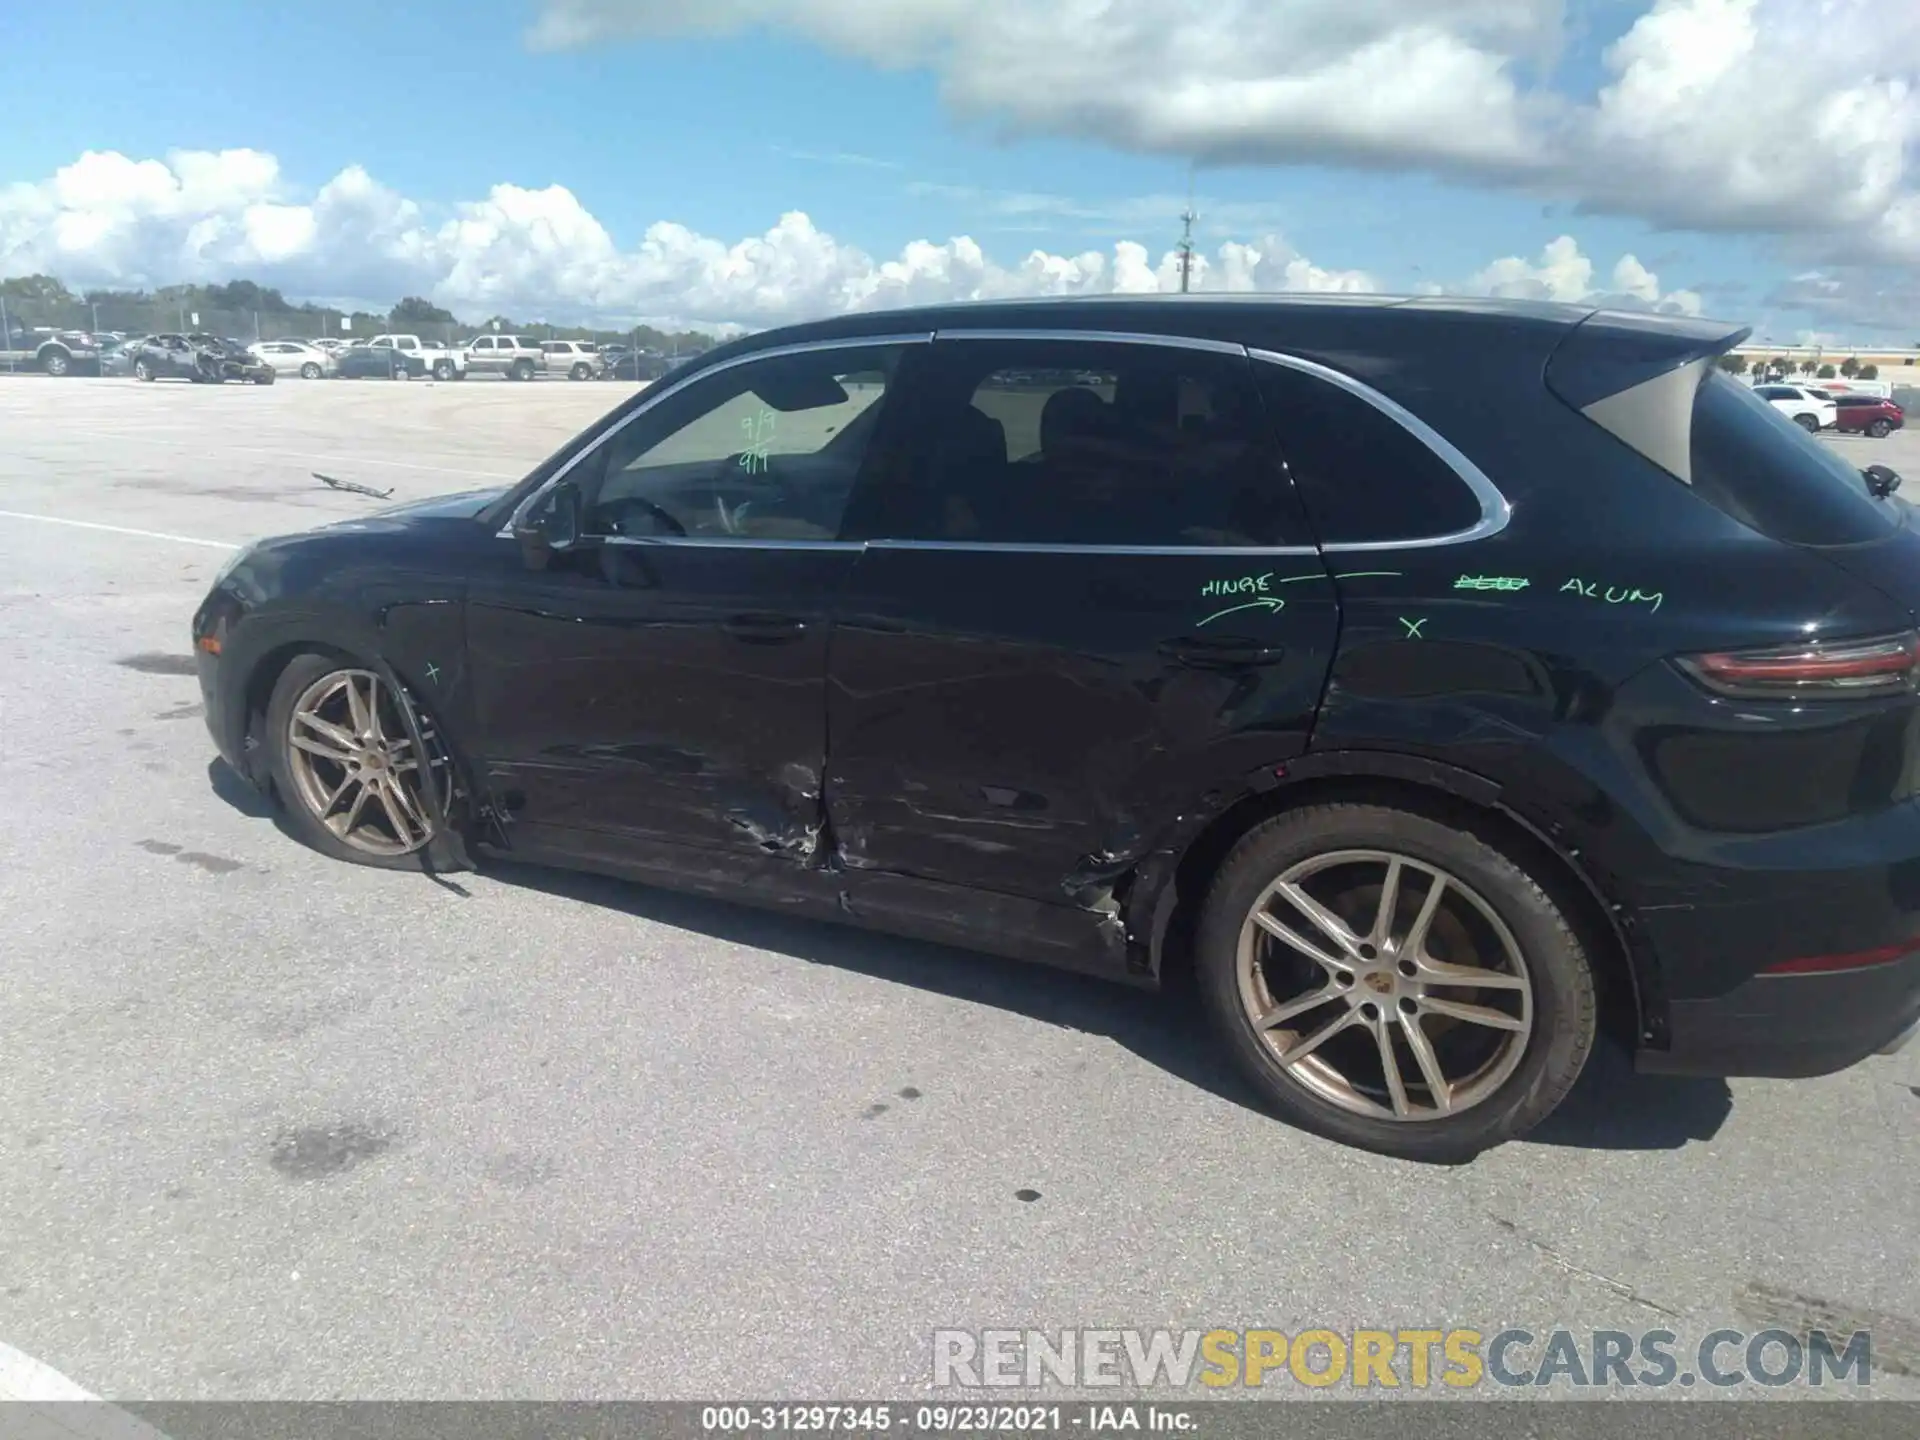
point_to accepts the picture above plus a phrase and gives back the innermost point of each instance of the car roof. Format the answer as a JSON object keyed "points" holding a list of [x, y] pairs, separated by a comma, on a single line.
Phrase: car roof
{"points": [[1413, 348]]}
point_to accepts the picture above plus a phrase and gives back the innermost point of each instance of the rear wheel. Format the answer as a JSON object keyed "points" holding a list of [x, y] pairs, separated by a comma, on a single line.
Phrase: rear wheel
{"points": [[56, 362], [580, 372], [142, 370], [345, 768], [522, 370], [1879, 429], [399, 372], [1393, 983], [310, 371], [1809, 423]]}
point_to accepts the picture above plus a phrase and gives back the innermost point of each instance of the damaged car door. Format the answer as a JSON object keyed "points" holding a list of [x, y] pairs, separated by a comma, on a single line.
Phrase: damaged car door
{"points": [[656, 686], [1088, 602]]}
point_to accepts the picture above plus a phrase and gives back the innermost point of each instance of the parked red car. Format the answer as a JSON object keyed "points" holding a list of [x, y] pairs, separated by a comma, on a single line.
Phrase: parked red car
{"points": [[1868, 414]]}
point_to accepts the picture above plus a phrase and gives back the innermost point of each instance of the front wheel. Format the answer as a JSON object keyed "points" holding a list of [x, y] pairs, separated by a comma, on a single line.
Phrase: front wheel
{"points": [[56, 362], [1394, 983], [142, 370], [443, 370], [310, 371], [344, 766], [1879, 429], [1808, 423]]}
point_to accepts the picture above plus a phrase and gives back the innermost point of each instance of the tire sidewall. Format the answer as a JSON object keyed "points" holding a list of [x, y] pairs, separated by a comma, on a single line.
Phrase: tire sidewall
{"points": [[1563, 989], [301, 672], [309, 371]]}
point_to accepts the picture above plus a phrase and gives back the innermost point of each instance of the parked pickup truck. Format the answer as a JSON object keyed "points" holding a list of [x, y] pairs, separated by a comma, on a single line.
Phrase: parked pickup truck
{"points": [[436, 360], [58, 352], [518, 357]]}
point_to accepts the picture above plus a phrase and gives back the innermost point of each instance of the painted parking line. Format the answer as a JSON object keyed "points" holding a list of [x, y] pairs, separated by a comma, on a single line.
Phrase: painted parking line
{"points": [[119, 530], [37, 1402]]}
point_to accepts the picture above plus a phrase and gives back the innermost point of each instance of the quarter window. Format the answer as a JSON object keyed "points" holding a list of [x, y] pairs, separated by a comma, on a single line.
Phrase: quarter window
{"points": [[1069, 443], [764, 450], [1365, 477]]}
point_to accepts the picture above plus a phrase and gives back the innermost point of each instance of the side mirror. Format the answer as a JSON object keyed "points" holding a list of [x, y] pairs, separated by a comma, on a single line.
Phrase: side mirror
{"points": [[560, 517]]}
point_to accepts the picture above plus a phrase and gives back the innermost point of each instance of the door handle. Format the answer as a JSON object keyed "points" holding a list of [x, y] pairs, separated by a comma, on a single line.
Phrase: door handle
{"points": [[1205, 654], [764, 629]]}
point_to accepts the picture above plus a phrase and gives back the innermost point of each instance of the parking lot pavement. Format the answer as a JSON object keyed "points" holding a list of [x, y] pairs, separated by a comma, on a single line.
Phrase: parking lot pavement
{"points": [[277, 1127]]}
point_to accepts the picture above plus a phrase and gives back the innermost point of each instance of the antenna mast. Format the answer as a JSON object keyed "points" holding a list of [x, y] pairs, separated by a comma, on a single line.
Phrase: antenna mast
{"points": [[1187, 217]]}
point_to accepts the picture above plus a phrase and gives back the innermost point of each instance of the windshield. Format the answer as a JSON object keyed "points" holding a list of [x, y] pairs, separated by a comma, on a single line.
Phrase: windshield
{"points": [[1758, 466]]}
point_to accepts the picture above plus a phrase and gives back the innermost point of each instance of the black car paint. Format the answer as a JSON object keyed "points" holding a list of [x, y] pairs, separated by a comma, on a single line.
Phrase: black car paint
{"points": [[360, 362], [1081, 757]]}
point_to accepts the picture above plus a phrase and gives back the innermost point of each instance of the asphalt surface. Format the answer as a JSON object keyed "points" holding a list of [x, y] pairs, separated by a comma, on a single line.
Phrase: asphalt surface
{"points": [[282, 1128]]}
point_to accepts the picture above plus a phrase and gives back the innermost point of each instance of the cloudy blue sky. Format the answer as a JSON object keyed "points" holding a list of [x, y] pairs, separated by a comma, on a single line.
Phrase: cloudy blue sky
{"points": [[753, 161]]}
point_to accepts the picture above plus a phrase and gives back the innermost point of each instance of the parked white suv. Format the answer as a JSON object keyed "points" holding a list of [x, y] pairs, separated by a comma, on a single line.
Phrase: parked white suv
{"points": [[576, 359], [515, 356], [1808, 409]]}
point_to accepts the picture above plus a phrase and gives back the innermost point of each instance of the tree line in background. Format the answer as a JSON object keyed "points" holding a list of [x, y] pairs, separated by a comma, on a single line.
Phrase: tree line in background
{"points": [[43, 299], [1780, 367]]}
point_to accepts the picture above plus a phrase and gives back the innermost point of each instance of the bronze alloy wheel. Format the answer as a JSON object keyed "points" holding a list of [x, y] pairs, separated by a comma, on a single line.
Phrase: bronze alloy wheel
{"points": [[1384, 986], [355, 770]]}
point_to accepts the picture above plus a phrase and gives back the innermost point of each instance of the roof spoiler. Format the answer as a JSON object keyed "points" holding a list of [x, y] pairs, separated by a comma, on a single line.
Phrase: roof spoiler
{"points": [[1634, 375]]}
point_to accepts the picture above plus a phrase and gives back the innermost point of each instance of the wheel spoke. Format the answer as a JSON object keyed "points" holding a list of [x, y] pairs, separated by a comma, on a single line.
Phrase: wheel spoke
{"points": [[396, 814], [1275, 927], [1312, 1000], [1416, 942], [1390, 1068], [342, 825], [325, 749], [410, 804], [1300, 1049], [357, 707], [1429, 1063], [332, 800], [1324, 920], [1389, 903], [323, 729], [1432, 972], [1474, 1014]]}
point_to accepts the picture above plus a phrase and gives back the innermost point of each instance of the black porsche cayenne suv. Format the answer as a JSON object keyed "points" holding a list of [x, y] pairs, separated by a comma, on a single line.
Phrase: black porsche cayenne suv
{"points": [[1447, 681]]}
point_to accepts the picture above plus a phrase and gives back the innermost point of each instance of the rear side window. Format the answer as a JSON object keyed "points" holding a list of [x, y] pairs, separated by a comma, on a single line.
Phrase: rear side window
{"points": [[1365, 477], [1069, 443], [1754, 463]]}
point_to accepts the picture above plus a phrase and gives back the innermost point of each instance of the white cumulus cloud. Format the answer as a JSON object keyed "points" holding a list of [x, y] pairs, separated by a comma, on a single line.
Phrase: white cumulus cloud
{"points": [[1565, 274], [1778, 117], [108, 221]]}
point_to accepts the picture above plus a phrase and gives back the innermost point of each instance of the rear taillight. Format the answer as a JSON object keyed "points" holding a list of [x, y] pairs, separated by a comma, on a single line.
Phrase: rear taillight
{"points": [[1830, 670]]}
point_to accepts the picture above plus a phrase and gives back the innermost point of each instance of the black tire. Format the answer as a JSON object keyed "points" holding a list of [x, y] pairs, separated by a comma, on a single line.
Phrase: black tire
{"points": [[143, 371], [1879, 429], [300, 819], [1563, 992], [443, 370], [1808, 423], [310, 371], [399, 372], [580, 372], [56, 362], [522, 370]]}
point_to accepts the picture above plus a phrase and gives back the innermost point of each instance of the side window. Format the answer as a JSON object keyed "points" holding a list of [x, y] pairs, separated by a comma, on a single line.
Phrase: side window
{"points": [[1364, 476], [1054, 442], [484, 342], [768, 450], [407, 344]]}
